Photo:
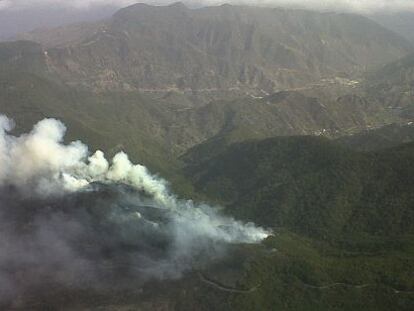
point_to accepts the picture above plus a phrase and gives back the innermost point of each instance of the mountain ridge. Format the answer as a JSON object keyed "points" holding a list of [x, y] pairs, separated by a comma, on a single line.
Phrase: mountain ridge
{"points": [[251, 49]]}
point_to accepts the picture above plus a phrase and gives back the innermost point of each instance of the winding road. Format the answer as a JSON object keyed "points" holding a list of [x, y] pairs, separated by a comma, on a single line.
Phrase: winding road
{"points": [[225, 288]]}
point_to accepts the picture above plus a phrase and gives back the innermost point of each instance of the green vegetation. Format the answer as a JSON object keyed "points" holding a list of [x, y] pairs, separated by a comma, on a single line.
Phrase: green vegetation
{"points": [[312, 186], [343, 221], [303, 274]]}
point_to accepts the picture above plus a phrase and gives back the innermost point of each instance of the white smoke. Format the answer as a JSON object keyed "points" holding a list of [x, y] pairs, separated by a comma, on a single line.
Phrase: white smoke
{"points": [[40, 163], [79, 220], [360, 6], [40, 160]]}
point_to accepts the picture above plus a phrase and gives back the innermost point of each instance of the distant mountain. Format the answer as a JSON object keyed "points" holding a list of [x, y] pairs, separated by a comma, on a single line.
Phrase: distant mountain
{"points": [[401, 23], [382, 138], [393, 87], [400, 72], [250, 49], [42, 17], [60, 36], [85, 78]]}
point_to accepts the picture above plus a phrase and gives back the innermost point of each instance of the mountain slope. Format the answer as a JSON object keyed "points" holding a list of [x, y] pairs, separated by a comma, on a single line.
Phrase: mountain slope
{"points": [[243, 48], [156, 129], [343, 222], [393, 87], [311, 185], [382, 138]]}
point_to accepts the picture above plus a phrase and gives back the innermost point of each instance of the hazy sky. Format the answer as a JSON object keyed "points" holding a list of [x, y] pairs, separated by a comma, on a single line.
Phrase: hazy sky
{"points": [[362, 6], [81, 4]]}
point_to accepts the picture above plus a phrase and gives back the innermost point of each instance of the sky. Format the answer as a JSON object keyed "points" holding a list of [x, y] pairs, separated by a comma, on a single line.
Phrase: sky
{"points": [[78, 4], [360, 6]]}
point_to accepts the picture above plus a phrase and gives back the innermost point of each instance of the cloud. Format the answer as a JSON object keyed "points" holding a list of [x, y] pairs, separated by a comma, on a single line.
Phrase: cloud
{"points": [[360, 6]]}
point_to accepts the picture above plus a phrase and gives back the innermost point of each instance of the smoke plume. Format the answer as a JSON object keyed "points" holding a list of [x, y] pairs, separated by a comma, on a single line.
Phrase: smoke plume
{"points": [[79, 220]]}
